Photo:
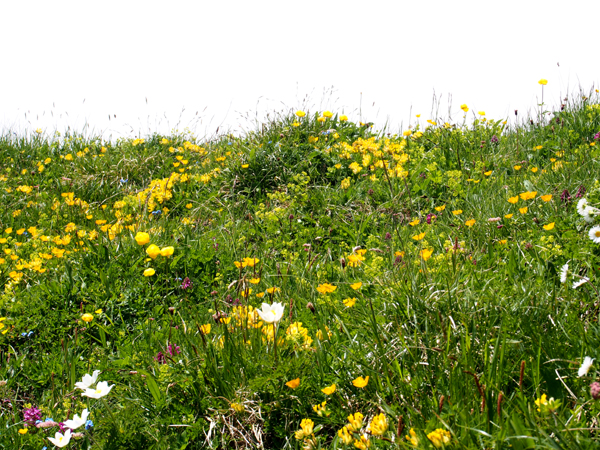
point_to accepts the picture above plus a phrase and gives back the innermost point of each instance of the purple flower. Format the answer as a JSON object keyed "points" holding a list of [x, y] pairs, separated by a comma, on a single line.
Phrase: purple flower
{"points": [[32, 415], [173, 349], [580, 191], [565, 197], [160, 358], [595, 390], [494, 139], [187, 284], [597, 136]]}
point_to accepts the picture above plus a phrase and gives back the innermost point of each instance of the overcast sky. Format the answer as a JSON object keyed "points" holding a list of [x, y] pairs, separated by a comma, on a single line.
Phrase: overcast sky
{"points": [[156, 64]]}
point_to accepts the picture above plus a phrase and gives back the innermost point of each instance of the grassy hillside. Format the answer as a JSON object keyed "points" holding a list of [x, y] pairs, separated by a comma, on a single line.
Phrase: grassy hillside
{"points": [[435, 289]]}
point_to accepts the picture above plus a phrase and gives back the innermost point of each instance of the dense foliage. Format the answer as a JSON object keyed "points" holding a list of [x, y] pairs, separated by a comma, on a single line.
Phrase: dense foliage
{"points": [[435, 289]]}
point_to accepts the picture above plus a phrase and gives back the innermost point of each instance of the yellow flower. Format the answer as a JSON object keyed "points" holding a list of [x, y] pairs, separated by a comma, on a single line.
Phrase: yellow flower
{"points": [[508, 216], [362, 444], [534, 169], [426, 254], [254, 280], [296, 124], [238, 408], [326, 288], [87, 317], [514, 199], [349, 302], [549, 226], [539, 147], [439, 438], [167, 251], [440, 208], [328, 114], [412, 437], [457, 212], [543, 82], [464, 107], [361, 382], [378, 425], [529, 195], [470, 223], [329, 389], [418, 237], [406, 133], [356, 285], [24, 430], [153, 251], [343, 118], [523, 210], [300, 113], [345, 436], [414, 222], [149, 272], [293, 384], [502, 241], [142, 238], [546, 197], [250, 262], [321, 119], [306, 429], [482, 113], [205, 329], [355, 422], [488, 173], [244, 166], [517, 167], [98, 311]]}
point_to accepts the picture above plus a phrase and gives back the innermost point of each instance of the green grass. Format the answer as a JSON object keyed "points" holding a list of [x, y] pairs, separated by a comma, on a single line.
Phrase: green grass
{"points": [[461, 321]]}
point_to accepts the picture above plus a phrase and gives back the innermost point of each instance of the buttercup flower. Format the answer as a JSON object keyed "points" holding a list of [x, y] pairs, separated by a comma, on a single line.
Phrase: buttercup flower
{"points": [[300, 113], [153, 251], [356, 285], [361, 382], [549, 226], [585, 366], [167, 251], [149, 272], [142, 238], [329, 389], [326, 288], [61, 440], [87, 380], [464, 107], [87, 317], [293, 384], [102, 389], [543, 82], [271, 313]]}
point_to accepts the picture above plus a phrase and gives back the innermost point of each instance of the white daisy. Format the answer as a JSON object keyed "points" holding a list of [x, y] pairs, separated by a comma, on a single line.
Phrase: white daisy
{"points": [[589, 213], [580, 282], [581, 205], [595, 234], [585, 366], [564, 270]]}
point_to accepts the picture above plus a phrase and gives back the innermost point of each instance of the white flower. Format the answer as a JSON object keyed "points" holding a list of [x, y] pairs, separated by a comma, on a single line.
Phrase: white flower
{"points": [[580, 282], [589, 213], [102, 389], [271, 313], [87, 380], [77, 421], [581, 206], [595, 234], [585, 366], [61, 440], [563, 273]]}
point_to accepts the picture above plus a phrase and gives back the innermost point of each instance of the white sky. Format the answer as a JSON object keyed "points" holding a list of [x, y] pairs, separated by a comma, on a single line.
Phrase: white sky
{"points": [[233, 61]]}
